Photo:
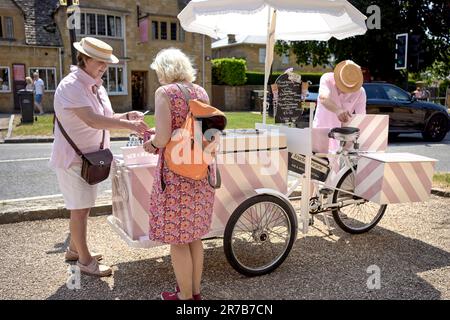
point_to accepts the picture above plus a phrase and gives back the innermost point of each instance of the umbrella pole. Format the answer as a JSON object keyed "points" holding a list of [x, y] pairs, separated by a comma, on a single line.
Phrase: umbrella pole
{"points": [[266, 73]]}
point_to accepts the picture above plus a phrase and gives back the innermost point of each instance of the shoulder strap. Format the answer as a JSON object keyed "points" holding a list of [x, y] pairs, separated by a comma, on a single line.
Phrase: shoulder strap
{"points": [[104, 113], [74, 146], [187, 95]]}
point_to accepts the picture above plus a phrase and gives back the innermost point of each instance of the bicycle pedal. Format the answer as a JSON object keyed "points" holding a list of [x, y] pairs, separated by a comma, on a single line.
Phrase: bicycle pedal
{"points": [[311, 221], [326, 191]]}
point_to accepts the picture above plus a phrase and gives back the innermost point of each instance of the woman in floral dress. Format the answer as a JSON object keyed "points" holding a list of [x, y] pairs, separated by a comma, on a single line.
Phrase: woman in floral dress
{"points": [[179, 215]]}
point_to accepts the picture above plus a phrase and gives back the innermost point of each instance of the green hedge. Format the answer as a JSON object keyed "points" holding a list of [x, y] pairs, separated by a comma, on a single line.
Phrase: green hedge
{"points": [[257, 78], [443, 88], [229, 71]]}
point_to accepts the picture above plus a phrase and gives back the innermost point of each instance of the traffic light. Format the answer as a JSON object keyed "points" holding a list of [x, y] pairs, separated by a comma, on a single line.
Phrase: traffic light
{"points": [[401, 51], [416, 52]]}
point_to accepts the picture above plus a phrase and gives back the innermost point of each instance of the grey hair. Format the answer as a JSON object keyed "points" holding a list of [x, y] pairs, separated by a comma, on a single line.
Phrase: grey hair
{"points": [[172, 65]]}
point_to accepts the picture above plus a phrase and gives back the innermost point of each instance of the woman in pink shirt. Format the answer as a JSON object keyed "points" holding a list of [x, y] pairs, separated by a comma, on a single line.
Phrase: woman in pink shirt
{"points": [[340, 95], [83, 109]]}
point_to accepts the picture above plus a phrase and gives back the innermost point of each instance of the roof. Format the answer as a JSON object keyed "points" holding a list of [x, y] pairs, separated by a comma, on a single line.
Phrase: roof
{"points": [[240, 39], [40, 27]]}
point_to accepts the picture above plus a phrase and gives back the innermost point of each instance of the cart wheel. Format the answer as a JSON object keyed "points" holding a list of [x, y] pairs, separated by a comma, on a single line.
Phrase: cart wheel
{"points": [[259, 235], [355, 218]]}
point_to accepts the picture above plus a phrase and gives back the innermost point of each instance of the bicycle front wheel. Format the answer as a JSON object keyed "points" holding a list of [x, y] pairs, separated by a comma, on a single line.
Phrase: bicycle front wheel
{"points": [[359, 217], [259, 235]]}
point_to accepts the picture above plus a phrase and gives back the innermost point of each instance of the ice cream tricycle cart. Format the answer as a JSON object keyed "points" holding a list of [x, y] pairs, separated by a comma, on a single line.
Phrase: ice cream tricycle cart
{"points": [[253, 210]]}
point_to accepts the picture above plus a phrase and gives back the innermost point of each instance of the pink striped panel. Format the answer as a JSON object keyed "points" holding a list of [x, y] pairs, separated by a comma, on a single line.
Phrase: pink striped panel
{"points": [[405, 182]]}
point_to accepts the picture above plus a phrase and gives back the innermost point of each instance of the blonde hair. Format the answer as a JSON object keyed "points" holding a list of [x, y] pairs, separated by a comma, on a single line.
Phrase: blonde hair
{"points": [[29, 80], [172, 65]]}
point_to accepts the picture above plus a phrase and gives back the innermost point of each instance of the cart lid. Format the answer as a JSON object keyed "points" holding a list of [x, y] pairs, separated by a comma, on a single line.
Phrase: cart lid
{"points": [[398, 157], [247, 140]]}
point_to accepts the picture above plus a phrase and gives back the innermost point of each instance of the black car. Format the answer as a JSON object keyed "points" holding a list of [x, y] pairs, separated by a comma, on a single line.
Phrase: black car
{"points": [[406, 113]]}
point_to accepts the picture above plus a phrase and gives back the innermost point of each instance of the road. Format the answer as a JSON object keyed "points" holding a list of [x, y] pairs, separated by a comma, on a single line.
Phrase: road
{"points": [[24, 170]]}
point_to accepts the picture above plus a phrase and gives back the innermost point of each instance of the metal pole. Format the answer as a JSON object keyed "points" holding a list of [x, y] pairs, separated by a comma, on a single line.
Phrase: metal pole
{"points": [[72, 34]]}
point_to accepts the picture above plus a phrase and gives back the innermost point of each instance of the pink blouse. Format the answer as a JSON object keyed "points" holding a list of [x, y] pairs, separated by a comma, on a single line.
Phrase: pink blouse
{"points": [[76, 91]]}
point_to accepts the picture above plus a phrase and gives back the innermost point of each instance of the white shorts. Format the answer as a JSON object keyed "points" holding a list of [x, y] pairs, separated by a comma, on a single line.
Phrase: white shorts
{"points": [[77, 193]]}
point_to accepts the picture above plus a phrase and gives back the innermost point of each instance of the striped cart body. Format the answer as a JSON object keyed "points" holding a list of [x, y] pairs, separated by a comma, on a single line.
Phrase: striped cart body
{"points": [[248, 160], [394, 177]]}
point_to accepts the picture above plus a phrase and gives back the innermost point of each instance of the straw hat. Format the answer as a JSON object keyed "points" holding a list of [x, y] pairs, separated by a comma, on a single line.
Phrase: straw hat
{"points": [[348, 76], [96, 49]]}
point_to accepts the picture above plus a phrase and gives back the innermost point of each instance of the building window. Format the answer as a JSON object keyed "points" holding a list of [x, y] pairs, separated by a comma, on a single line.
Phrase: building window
{"points": [[285, 58], [119, 27], [91, 26], [5, 81], [155, 30], [6, 27], [101, 25], [9, 26], [167, 30], [262, 55], [113, 80], [173, 31], [163, 30], [181, 33], [48, 75]]}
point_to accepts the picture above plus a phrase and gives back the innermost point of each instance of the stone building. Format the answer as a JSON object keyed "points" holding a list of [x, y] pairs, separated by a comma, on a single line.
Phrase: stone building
{"points": [[253, 50], [34, 36]]}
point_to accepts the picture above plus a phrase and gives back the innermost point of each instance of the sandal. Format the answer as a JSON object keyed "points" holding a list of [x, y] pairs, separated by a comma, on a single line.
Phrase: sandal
{"points": [[73, 255], [95, 269]]}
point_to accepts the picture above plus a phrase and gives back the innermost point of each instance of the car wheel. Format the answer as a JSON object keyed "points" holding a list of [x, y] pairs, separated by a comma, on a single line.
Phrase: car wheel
{"points": [[436, 129]]}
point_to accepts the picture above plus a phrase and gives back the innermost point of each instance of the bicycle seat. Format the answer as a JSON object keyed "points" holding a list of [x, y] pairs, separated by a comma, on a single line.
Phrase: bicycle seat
{"points": [[344, 133]]}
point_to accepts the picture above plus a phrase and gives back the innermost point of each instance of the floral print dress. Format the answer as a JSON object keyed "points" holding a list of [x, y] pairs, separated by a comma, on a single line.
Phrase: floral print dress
{"points": [[182, 212]]}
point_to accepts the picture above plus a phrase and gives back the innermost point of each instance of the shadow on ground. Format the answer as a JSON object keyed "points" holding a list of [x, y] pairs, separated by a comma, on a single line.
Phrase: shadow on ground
{"points": [[318, 267]]}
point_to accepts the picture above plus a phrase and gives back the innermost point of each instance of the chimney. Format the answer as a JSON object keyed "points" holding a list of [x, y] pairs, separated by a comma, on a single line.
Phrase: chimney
{"points": [[231, 38]]}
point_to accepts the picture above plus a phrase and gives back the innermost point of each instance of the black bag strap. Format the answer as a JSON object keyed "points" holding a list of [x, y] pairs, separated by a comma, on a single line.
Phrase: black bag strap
{"points": [[70, 141]]}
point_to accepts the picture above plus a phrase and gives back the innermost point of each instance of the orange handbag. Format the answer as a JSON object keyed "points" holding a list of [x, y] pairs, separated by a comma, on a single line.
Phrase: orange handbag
{"points": [[192, 147]]}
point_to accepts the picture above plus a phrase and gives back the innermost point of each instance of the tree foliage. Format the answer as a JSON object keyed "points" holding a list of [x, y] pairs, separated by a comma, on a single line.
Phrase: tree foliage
{"points": [[427, 19]]}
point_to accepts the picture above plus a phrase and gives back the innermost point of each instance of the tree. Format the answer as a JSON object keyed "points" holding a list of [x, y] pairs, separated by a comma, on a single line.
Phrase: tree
{"points": [[427, 20]]}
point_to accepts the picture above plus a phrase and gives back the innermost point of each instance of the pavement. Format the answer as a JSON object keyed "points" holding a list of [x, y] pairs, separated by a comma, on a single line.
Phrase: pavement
{"points": [[409, 249]]}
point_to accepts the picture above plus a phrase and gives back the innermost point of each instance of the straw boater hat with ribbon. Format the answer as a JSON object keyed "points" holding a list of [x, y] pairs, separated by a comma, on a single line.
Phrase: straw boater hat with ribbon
{"points": [[348, 76], [96, 49]]}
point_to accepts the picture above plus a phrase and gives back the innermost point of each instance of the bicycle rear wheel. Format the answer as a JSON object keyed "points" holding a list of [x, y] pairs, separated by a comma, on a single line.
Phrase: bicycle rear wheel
{"points": [[355, 218]]}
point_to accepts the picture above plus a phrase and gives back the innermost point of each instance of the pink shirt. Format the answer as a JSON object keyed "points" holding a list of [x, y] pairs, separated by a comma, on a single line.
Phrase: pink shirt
{"points": [[75, 91], [351, 102]]}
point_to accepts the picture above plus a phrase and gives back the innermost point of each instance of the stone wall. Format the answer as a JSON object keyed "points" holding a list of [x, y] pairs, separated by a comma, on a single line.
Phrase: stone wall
{"points": [[228, 98]]}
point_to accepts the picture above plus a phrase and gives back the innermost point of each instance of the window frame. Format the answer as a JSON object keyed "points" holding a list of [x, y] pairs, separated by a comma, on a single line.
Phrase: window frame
{"points": [[124, 80], [157, 34], [31, 70], [259, 55], [11, 29], [106, 15], [9, 80], [285, 58]]}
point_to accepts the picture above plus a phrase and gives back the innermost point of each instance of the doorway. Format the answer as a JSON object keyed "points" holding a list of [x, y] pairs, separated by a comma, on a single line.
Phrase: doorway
{"points": [[139, 90]]}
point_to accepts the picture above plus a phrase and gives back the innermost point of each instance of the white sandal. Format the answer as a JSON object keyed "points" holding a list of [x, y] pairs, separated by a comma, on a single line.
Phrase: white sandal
{"points": [[73, 255], [95, 269]]}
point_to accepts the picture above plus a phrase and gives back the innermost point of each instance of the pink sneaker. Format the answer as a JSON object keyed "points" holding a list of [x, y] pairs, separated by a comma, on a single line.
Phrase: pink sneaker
{"points": [[194, 296], [170, 296]]}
